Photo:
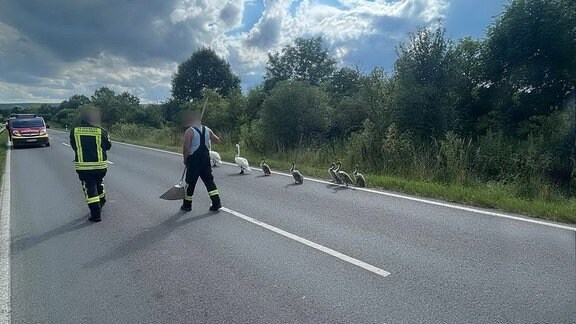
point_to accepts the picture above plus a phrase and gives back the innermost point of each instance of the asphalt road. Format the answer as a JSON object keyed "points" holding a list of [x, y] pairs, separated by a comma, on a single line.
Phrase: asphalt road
{"points": [[149, 263]]}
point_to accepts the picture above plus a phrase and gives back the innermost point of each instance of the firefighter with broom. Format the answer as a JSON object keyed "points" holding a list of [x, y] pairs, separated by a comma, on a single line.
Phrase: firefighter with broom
{"points": [[90, 143], [196, 154]]}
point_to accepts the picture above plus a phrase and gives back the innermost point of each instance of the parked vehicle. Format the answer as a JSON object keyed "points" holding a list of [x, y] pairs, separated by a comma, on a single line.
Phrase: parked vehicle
{"points": [[27, 129]]}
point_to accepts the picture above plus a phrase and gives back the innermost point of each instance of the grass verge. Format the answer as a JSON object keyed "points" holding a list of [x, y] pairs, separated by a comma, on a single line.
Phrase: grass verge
{"points": [[3, 148], [494, 195]]}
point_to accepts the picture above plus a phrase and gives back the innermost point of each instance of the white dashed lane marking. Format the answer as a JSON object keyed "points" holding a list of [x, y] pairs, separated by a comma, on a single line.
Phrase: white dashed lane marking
{"points": [[311, 244]]}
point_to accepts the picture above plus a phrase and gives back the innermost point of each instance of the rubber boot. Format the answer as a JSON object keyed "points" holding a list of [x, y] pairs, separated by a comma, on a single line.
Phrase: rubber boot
{"points": [[186, 206], [95, 214], [216, 204]]}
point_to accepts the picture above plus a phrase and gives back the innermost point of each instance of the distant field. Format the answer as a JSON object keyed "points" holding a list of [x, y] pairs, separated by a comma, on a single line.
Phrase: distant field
{"points": [[4, 106]]}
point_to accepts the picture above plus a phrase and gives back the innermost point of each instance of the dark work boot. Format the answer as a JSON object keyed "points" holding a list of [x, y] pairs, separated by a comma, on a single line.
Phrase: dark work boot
{"points": [[95, 214], [186, 206], [216, 204]]}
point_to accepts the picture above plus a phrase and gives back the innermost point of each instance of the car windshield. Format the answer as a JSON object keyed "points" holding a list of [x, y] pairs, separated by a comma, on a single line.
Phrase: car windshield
{"points": [[20, 123]]}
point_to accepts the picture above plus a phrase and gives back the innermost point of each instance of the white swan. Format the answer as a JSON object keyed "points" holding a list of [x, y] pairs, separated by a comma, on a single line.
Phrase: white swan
{"points": [[242, 162], [215, 158]]}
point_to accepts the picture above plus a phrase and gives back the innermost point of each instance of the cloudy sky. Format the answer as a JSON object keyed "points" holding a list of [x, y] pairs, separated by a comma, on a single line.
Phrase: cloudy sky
{"points": [[50, 50]]}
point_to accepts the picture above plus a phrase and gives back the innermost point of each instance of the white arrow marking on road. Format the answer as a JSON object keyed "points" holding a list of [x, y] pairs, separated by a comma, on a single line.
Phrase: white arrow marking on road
{"points": [[311, 244]]}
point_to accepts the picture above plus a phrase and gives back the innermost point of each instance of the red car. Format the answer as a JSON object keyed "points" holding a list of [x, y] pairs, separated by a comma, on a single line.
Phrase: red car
{"points": [[27, 130]]}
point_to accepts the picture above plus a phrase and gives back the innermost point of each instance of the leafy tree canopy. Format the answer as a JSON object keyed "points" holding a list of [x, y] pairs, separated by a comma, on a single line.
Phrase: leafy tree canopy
{"points": [[203, 70], [306, 60], [295, 111]]}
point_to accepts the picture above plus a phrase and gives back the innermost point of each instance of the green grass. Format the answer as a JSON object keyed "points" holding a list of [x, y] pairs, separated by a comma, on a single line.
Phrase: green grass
{"points": [[3, 148], [492, 195]]}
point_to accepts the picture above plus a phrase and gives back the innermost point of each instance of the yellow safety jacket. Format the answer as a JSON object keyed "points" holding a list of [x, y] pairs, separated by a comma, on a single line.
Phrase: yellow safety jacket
{"points": [[90, 144]]}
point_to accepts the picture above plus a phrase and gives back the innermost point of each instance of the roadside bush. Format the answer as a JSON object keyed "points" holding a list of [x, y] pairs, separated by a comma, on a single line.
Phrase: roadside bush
{"points": [[454, 158]]}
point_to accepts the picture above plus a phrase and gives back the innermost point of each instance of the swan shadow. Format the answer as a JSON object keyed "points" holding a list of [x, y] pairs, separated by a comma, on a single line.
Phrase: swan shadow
{"points": [[338, 188], [27, 242], [237, 174], [293, 184], [147, 238]]}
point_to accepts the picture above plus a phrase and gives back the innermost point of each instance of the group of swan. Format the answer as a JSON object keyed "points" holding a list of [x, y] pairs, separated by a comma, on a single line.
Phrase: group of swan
{"points": [[341, 177], [338, 176], [244, 166]]}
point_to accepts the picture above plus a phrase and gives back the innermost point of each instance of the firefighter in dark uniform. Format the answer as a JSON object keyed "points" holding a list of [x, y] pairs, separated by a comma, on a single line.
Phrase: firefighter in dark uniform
{"points": [[90, 143], [196, 153]]}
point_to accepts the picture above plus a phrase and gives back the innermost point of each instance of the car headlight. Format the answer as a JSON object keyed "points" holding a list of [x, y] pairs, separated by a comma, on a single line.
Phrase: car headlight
{"points": [[17, 133], [43, 132]]}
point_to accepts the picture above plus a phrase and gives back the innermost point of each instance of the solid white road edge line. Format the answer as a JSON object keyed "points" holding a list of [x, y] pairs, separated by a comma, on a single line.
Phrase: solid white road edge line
{"points": [[431, 202], [110, 162], [5, 310], [389, 194], [311, 244], [66, 144]]}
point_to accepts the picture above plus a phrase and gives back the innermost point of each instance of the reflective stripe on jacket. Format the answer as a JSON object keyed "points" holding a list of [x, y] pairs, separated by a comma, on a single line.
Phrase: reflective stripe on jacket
{"points": [[90, 144]]}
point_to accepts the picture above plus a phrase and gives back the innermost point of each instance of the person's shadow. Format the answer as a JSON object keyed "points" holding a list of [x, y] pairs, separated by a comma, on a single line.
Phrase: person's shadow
{"points": [[25, 243], [147, 238]]}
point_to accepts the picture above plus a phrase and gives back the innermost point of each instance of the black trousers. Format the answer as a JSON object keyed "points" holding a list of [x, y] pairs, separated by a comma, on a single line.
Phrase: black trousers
{"points": [[93, 186], [198, 166]]}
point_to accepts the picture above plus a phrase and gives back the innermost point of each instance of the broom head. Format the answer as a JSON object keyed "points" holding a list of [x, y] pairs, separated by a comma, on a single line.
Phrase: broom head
{"points": [[175, 193]]}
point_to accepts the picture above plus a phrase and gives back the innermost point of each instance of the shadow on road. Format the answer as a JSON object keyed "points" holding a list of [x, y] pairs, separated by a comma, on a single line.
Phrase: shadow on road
{"points": [[238, 174], [293, 184], [336, 188], [22, 244], [147, 238]]}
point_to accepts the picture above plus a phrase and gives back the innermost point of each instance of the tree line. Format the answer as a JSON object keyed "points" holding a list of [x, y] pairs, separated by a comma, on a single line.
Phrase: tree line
{"points": [[495, 110]]}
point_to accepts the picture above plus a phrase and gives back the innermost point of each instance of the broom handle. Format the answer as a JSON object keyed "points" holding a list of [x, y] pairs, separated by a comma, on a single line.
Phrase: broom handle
{"points": [[204, 108], [183, 174]]}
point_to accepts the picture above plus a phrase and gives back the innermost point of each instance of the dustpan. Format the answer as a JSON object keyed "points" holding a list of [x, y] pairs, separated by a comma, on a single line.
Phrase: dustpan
{"points": [[176, 192]]}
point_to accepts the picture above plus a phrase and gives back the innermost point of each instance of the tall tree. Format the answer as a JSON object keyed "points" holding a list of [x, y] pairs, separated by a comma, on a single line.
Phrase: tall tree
{"points": [[345, 82], [74, 102], [295, 111], [116, 108], [468, 85], [423, 75], [203, 70], [307, 60], [529, 58]]}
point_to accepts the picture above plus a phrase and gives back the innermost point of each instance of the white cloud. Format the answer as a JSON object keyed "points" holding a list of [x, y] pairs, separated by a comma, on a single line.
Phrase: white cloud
{"points": [[354, 29], [136, 47]]}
